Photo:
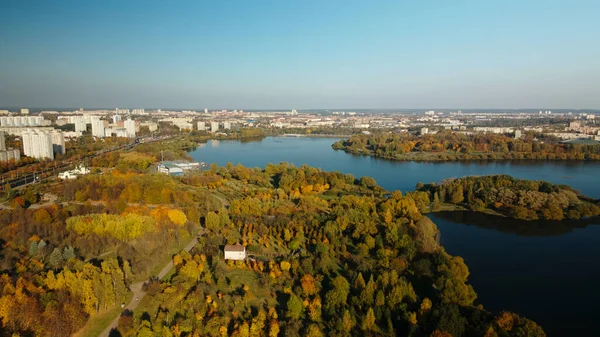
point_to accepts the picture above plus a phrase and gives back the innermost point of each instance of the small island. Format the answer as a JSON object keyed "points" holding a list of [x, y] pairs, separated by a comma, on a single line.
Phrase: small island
{"points": [[454, 146], [507, 196]]}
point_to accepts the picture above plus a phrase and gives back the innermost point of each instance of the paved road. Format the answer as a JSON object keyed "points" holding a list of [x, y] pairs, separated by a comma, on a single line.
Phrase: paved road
{"points": [[138, 293]]}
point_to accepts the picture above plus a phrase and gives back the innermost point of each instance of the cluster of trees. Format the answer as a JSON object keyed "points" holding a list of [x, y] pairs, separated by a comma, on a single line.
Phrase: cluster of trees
{"points": [[522, 199], [456, 146], [348, 262], [58, 265], [59, 304]]}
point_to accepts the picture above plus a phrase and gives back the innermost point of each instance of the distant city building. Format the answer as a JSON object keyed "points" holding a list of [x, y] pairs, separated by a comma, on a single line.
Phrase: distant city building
{"points": [[22, 121], [130, 128], [38, 144], [4, 112], [24, 111], [430, 113], [117, 132], [9, 154], [150, 125], [214, 126], [201, 126], [121, 111], [6, 155], [58, 142], [80, 125], [116, 119], [424, 131], [98, 128], [205, 110], [227, 125], [492, 129], [138, 111], [517, 134]]}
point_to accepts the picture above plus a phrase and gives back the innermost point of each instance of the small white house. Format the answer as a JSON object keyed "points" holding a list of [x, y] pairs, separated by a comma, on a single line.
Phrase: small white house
{"points": [[235, 252]]}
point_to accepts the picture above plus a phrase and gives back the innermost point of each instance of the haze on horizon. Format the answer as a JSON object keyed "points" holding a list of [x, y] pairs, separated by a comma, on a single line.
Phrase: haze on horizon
{"points": [[300, 54]]}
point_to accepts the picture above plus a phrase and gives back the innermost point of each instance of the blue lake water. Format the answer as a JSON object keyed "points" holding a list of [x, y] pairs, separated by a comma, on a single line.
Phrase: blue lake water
{"points": [[546, 272]]}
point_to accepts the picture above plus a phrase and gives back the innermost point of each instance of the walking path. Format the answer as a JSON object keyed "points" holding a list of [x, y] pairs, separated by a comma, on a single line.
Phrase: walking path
{"points": [[138, 293]]}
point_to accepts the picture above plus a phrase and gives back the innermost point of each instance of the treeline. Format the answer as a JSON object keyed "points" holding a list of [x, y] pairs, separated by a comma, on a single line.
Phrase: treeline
{"points": [[521, 199], [444, 146], [332, 255]]}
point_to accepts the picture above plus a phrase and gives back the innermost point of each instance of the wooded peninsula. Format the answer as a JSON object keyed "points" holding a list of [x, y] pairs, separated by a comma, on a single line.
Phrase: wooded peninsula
{"points": [[453, 146], [507, 196]]}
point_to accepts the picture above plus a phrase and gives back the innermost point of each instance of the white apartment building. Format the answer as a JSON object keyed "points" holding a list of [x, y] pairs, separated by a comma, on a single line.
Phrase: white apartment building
{"points": [[2, 141], [201, 126], [138, 111], [122, 111], [151, 126], [118, 132], [21, 121], [116, 119], [98, 128], [9, 154], [130, 128], [25, 111], [58, 142], [492, 129], [80, 125], [214, 126], [227, 125], [38, 144]]}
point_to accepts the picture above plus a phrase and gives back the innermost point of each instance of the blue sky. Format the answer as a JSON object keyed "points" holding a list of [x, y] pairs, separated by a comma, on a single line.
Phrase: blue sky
{"points": [[300, 54]]}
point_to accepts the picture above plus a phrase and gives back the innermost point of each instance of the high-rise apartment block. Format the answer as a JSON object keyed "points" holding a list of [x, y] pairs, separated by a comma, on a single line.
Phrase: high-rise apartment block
{"points": [[80, 125], [201, 126], [38, 144], [58, 142], [98, 128], [21, 121], [214, 126], [130, 128]]}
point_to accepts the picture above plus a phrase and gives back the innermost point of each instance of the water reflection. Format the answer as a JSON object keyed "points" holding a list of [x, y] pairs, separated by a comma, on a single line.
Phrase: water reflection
{"points": [[540, 228]]}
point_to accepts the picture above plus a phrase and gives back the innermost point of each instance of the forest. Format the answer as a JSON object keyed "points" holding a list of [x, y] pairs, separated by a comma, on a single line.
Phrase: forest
{"points": [[330, 254], [508, 196], [452, 146]]}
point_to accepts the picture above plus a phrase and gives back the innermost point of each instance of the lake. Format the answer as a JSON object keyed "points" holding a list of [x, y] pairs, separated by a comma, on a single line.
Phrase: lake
{"points": [[545, 271]]}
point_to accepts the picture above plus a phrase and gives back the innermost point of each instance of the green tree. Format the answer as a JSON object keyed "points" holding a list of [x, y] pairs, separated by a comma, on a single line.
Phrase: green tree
{"points": [[294, 307], [212, 221]]}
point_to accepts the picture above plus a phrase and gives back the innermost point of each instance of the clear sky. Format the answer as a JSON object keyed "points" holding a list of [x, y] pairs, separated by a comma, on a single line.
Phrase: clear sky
{"points": [[254, 54]]}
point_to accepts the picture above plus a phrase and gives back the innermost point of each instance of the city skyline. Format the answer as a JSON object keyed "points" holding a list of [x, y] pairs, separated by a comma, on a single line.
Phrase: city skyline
{"points": [[309, 55]]}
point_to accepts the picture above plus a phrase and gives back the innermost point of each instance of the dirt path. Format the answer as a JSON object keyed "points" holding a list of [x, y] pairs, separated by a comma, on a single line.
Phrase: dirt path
{"points": [[138, 293]]}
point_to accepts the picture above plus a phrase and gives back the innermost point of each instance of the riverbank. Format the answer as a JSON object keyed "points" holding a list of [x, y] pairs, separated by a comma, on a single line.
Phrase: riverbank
{"points": [[457, 157]]}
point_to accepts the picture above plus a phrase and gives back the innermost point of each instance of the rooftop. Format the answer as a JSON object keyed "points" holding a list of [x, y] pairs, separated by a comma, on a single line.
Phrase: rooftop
{"points": [[235, 248]]}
